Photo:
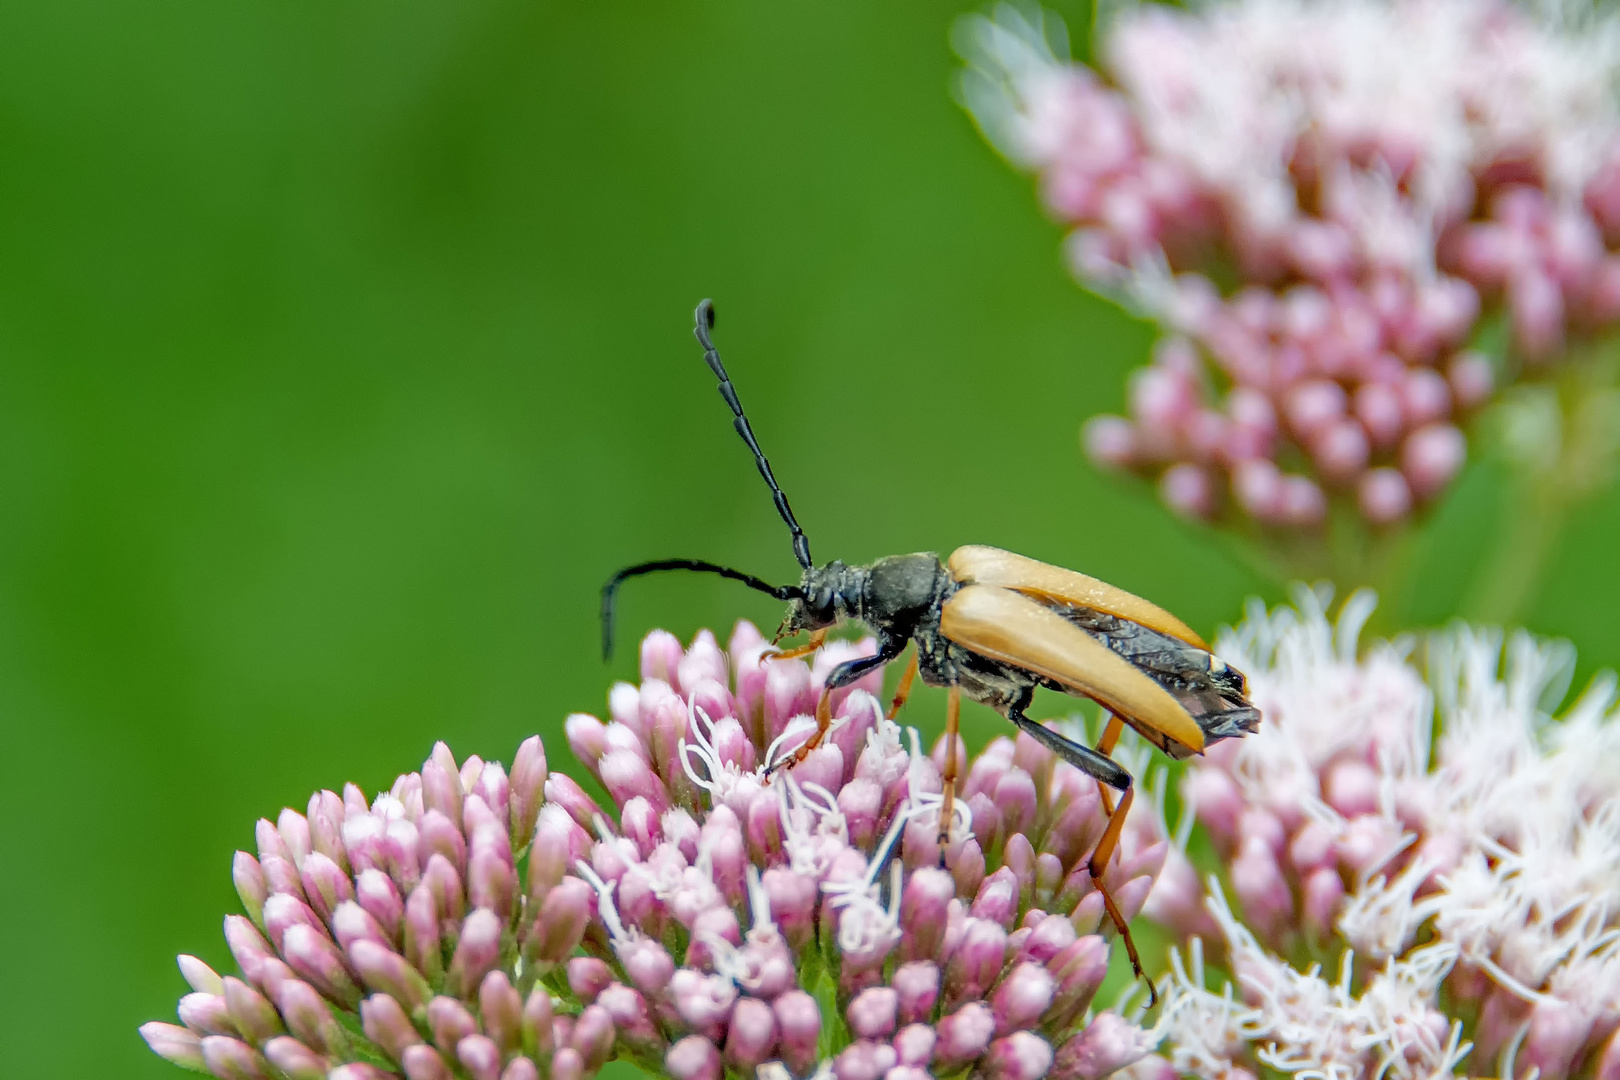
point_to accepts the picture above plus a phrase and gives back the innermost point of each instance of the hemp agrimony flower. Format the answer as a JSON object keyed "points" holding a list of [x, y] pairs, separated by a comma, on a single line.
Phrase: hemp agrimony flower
{"points": [[503, 927]]}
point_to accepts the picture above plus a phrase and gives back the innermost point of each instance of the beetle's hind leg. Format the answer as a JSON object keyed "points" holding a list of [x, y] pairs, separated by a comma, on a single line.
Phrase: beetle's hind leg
{"points": [[1106, 771]]}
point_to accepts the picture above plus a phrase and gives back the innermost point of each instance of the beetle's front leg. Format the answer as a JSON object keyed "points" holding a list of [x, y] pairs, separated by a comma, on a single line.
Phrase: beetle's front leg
{"points": [[818, 638], [848, 672]]}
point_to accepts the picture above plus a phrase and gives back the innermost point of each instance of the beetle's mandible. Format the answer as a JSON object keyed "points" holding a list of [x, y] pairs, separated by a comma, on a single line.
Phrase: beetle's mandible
{"points": [[994, 626]]}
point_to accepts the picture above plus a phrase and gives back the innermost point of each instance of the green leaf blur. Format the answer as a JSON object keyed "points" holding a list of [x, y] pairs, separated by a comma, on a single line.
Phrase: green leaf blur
{"points": [[344, 350]]}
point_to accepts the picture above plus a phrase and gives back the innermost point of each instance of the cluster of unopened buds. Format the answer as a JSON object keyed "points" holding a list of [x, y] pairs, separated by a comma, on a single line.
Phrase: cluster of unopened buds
{"points": [[1322, 204], [1461, 885], [714, 919]]}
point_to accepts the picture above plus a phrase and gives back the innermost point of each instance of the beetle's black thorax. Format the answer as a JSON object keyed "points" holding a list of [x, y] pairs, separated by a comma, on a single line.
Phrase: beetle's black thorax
{"points": [[890, 596]]}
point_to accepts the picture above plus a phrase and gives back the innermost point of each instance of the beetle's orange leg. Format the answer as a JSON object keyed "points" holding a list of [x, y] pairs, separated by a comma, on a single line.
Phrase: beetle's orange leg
{"points": [[1096, 865], [903, 691], [1105, 747], [848, 672], [947, 802], [1105, 770], [818, 638]]}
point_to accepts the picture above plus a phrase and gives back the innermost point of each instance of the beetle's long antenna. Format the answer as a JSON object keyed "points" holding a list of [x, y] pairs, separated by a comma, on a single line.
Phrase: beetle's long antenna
{"points": [[611, 589], [705, 323]]}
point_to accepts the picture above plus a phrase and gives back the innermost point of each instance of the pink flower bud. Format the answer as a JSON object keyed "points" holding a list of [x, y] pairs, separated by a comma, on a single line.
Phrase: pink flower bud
{"points": [[1260, 885], [1108, 1044], [1110, 441], [1257, 485], [787, 694], [593, 1037], [963, 1036], [1340, 449], [631, 1019], [175, 1044], [441, 784], [568, 1065], [207, 1014], [480, 1057], [1537, 307], [564, 792], [860, 801], [1379, 409], [1472, 378], [1188, 490], [863, 1060], [793, 902], [1161, 396], [798, 1023], [251, 887], [1384, 496], [308, 1017], [233, 1060], [1303, 503], [1431, 456], [693, 1058], [477, 952], [294, 831], [1023, 997], [1322, 893], [587, 977], [872, 1013], [967, 872], [561, 923], [351, 923], [751, 1035], [312, 955], [1022, 1055], [661, 656], [977, 961], [387, 972], [295, 1060], [281, 876], [1312, 406], [437, 835], [997, 899], [587, 738], [386, 1024]]}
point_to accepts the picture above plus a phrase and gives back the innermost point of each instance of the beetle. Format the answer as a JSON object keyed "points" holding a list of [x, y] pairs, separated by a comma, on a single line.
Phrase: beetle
{"points": [[995, 626]]}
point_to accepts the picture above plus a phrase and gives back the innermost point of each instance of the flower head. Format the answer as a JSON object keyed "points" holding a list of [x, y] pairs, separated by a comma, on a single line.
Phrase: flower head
{"points": [[710, 916], [1435, 827], [1321, 204]]}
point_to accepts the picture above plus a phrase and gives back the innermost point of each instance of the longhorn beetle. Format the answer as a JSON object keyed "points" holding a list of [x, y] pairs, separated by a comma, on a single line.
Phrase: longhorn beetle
{"points": [[994, 626]]}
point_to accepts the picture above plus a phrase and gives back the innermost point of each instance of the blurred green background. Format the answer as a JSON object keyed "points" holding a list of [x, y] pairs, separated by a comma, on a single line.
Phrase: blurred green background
{"points": [[344, 350]]}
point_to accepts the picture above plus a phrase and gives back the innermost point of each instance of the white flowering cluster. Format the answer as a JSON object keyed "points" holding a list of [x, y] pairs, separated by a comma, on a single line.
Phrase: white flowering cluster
{"points": [[1469, 879]]}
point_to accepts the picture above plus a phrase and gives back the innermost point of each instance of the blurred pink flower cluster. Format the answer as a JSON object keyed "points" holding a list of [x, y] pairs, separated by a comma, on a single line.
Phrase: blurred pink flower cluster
{"points": [[1320, 203], [1466, 879], [706, 922]]}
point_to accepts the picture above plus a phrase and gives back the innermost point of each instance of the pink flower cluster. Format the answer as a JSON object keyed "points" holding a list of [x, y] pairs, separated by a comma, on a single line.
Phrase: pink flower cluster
{"points": [[1321, 204], [711, 918], [1474, 871]]}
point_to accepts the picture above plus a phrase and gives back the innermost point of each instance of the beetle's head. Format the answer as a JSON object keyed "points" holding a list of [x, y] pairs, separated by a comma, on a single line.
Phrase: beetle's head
{"points": [[826, 594]]}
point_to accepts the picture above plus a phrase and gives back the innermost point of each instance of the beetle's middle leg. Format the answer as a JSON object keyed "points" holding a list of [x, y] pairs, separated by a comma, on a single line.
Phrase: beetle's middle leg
{"points": [[1106, 770], [1105, 747], [947, 802], [842, 675]]}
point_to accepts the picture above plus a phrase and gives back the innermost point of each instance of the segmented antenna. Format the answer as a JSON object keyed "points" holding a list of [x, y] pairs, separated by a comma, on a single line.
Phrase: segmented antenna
{"points": [[705, 322], [611, 589]]}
